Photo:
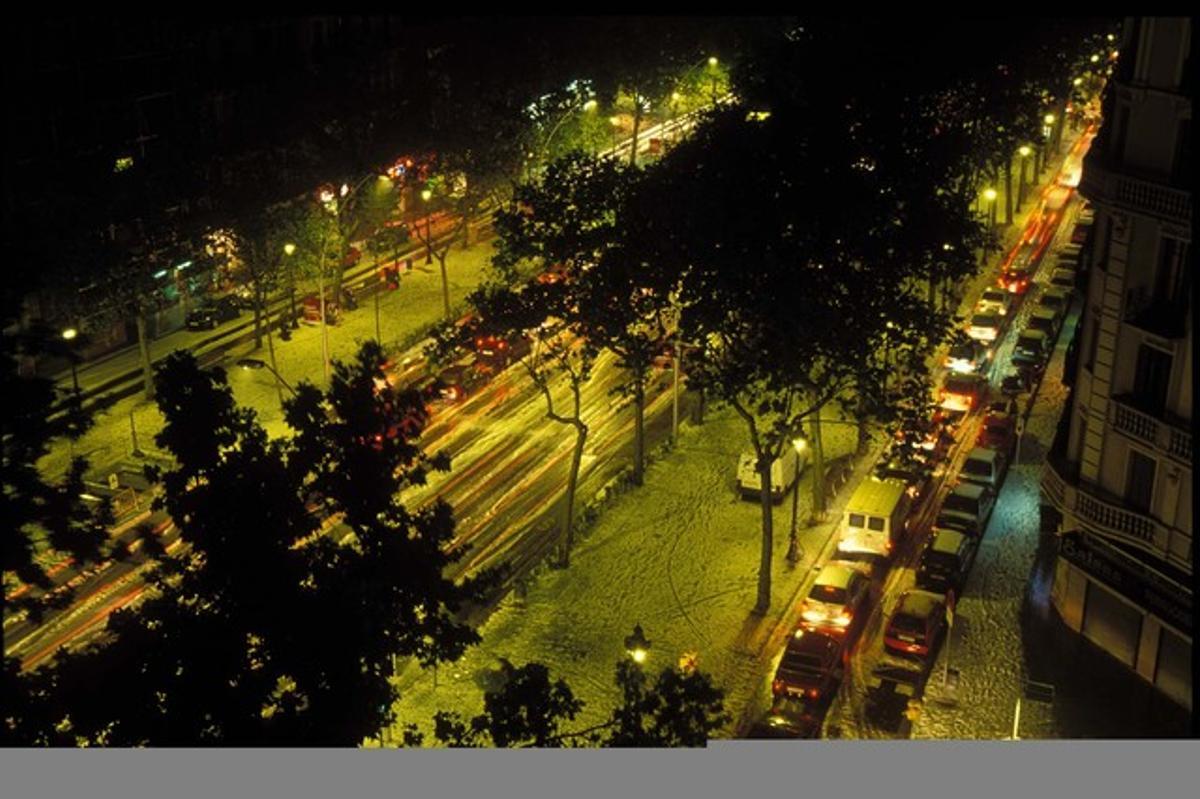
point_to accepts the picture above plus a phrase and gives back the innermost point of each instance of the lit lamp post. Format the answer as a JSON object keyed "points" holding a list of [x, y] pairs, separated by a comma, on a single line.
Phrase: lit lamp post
{"points": [[1047, 132], [69, 335], [637, 645], [989, 194], [1024, 151], [426, 196], [793, 553], [255, 363], [712, 67]]}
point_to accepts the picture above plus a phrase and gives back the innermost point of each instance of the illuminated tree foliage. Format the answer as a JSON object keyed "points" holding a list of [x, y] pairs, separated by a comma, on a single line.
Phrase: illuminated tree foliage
{"points": [[274, 624]]}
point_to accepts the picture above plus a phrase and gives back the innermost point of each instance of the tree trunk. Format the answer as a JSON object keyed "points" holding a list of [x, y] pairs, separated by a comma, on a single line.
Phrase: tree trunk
{"points": [[274, 367], [637, 123], [1008, 193], [144, 347], [818, 469], [292, 321], [441, 256], [639, 428], [763, 603], [581, 431], [258, 319]]}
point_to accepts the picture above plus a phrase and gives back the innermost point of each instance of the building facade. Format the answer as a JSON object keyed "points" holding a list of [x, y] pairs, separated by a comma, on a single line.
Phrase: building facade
{"points": [[1119, 472]]}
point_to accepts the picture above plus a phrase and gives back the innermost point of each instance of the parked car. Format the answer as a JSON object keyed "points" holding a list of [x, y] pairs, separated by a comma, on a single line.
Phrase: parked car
{"points": [[985, 467], [210, 314], [1032, 349], [784, 470], [1063, 278], [1057, 299], [811, 667], [967, 508], [968, 357], [837, 599], [986, 323], [999, 431], [946, 561], [917, 624], [1016, 381], [1046, 320], [1080, 232]]}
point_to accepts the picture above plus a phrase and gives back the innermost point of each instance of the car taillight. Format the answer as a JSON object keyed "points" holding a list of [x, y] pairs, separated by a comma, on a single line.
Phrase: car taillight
{"points": [[813, 693], [888, 546], [777, 687], [503, 345], [478, 342]]}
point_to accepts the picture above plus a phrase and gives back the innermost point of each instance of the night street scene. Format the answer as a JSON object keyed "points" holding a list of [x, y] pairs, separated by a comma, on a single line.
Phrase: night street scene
{"points": [[561, 382]]}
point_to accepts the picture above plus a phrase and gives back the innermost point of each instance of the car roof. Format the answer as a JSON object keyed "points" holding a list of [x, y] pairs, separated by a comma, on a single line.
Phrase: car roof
{"points": [[836, 575], [1031, 332], [971, 490], [982, 454], [946, 540], [919, 604], [876, 497]]}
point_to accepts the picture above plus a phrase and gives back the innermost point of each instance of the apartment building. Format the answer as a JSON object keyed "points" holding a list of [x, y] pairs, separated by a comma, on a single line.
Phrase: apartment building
{"points": [[1120, 469]]}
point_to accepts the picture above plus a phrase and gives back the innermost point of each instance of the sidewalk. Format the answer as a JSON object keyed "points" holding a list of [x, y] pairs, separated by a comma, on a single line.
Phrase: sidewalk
{"points": [[678, 556], [404, 313]]}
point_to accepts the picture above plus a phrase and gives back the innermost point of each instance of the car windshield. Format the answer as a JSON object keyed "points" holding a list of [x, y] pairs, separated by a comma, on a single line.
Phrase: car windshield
{"points": [[983, 320], [996, 429], [801, 661], [977, 468], [828, 593], [958, 502], [960, 386], [902, 622], [963, 352], [995, 295]]}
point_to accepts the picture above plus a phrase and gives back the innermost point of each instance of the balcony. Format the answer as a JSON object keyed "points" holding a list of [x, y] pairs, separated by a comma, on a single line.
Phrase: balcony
{"points": [[1157, 317], [1166, 435], [1106, 516], [1103, 183]]}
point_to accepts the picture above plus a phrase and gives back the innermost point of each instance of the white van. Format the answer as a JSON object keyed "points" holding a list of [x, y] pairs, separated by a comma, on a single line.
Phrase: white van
{"points": [[783, 473], [875, 519]]}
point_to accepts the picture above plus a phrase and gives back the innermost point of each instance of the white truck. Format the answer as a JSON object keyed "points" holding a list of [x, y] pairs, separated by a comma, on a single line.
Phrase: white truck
{"points": [[784, 471], [875, 519]]}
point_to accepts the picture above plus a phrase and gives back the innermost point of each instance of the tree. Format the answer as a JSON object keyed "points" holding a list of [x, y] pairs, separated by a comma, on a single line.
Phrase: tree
{"points": [[677, 709], [42, 515], [265, 630]]}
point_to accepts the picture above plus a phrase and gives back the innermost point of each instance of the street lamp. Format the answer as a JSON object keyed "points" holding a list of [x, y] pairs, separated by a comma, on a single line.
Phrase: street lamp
{"points": [[637, 645], [426, 196], [793, 553], [69, 335], [588, 105], [256, 363], [712, 67], [989, 194], [1024, 151]]}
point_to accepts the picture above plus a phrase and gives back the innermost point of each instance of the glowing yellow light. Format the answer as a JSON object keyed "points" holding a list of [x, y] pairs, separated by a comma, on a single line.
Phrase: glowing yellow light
{"points": [[1094, 59], [289, 248], [614, 121], [638, 655], [590, 105], [426, 194], [989, 194], [1077, 82], [70, 333], [712, 61], [1049, 119], [799, 444]]}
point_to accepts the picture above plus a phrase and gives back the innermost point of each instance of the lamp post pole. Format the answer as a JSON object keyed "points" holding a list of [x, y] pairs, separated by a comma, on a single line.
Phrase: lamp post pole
{"points": [[793, 552], [1024, 151]]}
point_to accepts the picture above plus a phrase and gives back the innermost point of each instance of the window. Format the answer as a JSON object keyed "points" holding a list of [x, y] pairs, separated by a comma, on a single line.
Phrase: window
{"points": [[1152, 378], [1118, 150], [1106, 243], [876, 523], [1139, 481], [1093, 340], [1170, 275], [1183, 151], [856, 520]]}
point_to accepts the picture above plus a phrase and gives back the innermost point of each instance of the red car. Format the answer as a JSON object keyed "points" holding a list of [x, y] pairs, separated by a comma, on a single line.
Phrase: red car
{"points": [[811, 667], [999, 431], [917, 624]]}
